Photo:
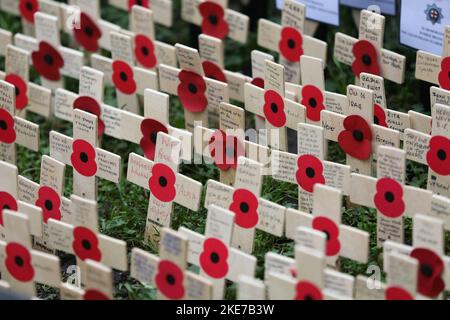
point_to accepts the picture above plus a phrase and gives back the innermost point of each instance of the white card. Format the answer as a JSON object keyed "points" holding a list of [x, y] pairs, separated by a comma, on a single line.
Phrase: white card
{"points": [[386, 6], [326, 11]]}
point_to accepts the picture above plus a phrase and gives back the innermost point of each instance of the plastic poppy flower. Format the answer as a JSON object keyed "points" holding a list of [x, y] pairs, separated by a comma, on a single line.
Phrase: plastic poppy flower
{"points": [[444, 75], [306, 290], [20, 88], [366, 58], [169, 280], [214, 258], [431, 267], [225, 150], [83, 158], [28, 8], [149, 130], [309, 172], [162, 182], [213, 71], [245, 207], [291, 44], [90, 105], [142, 3], [379, 116], [18, 262], [312, 99], [397, 293], [274, 109], [331, 231], [388, 198], [47, 61], [7, 132], [356, 138], [438, 156], [85, 244], [95, 295], [191, 91], [7, 202], [50, 202], [88, 34], [213, 19], [123, 77], [144, 50], [259, 82]]}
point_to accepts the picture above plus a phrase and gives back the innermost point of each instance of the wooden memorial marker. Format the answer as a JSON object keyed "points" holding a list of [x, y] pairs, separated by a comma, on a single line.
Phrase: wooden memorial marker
{"points": [[212, 253], [280, 113], [199, 96], [289, 39], [244, 200], [168, 271], [309, 167], [249, 288], [166, 185], [162, 9], [83, 154], [366, 54]]}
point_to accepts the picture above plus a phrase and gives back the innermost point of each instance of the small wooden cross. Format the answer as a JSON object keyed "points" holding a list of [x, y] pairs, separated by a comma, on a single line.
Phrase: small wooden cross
{"points": [[366, 54], [162, 9], [168, 271], [249, 288]]}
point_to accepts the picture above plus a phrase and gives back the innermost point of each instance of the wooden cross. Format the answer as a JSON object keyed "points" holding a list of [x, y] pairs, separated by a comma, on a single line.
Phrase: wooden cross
{"points": [[216, 19], [309, 167], [366, 54], [162, 9], [249, 288], [168, 271], [199, 96], [212, 253], [83, 154], [245, 201], [166, 185], [289, 39], [280, 113]]}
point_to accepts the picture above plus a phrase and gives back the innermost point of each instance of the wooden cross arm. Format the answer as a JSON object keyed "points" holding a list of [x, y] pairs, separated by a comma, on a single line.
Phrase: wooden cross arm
{"points": [[162, 10], [249, 288], [428, 66], [403, 272], [5, 40], [416, 144]]}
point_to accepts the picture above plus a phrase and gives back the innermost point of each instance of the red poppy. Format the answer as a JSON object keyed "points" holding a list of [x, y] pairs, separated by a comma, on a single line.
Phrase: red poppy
{"points": [[291, 44], [259, 82], [20, 88], [50, 202], [438, 156], [149, 130], [18, 262], [213, 19], [225, 150], [83, 158], [366, 58], [356, 138], [85, 244], [191, 91], [389, 198], [431, 267], [7, 132], [274, 109], [213, 71], [144, 50], [308, 291], [444, 75], [245, 207], [312, 99], [379, 116], [91, 106], [88, 34], [28, 8], [123, 77], [331, 230], [397, 293], [7, 202], [169, 280], [214, 258], [142, 3], [162, 182], [309, 172], [95, 295], [47, 61]]}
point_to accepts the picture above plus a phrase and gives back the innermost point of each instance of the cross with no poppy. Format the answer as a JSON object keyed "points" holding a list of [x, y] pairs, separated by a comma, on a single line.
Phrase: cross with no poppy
{"points": [[250, 288], [167, 272], [211, 252], [289, 39], [366, 54], [166, 185], [162, 9]]}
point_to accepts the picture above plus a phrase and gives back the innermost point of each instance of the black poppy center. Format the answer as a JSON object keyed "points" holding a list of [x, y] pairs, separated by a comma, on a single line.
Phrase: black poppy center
{"points": [[89, 31], [153, 137], [192, 88], [29, 6], [308, 297], [310, 173], [358, 135], [48, 205], [170, 279], [327, 234], [375, 120], [291, 43], [214, 257], [84, 157], [442, 155], [162, 181], [123, 76], [449, 74], [367, 60], [48, 59], [6, 207], [19, 261], [139, 2], [274, 107], [389, 196], [3, 125], [426, 270], [312, 103], [17, 91], [244, 207], [145, 51], [86, 244], [213, 19]]}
